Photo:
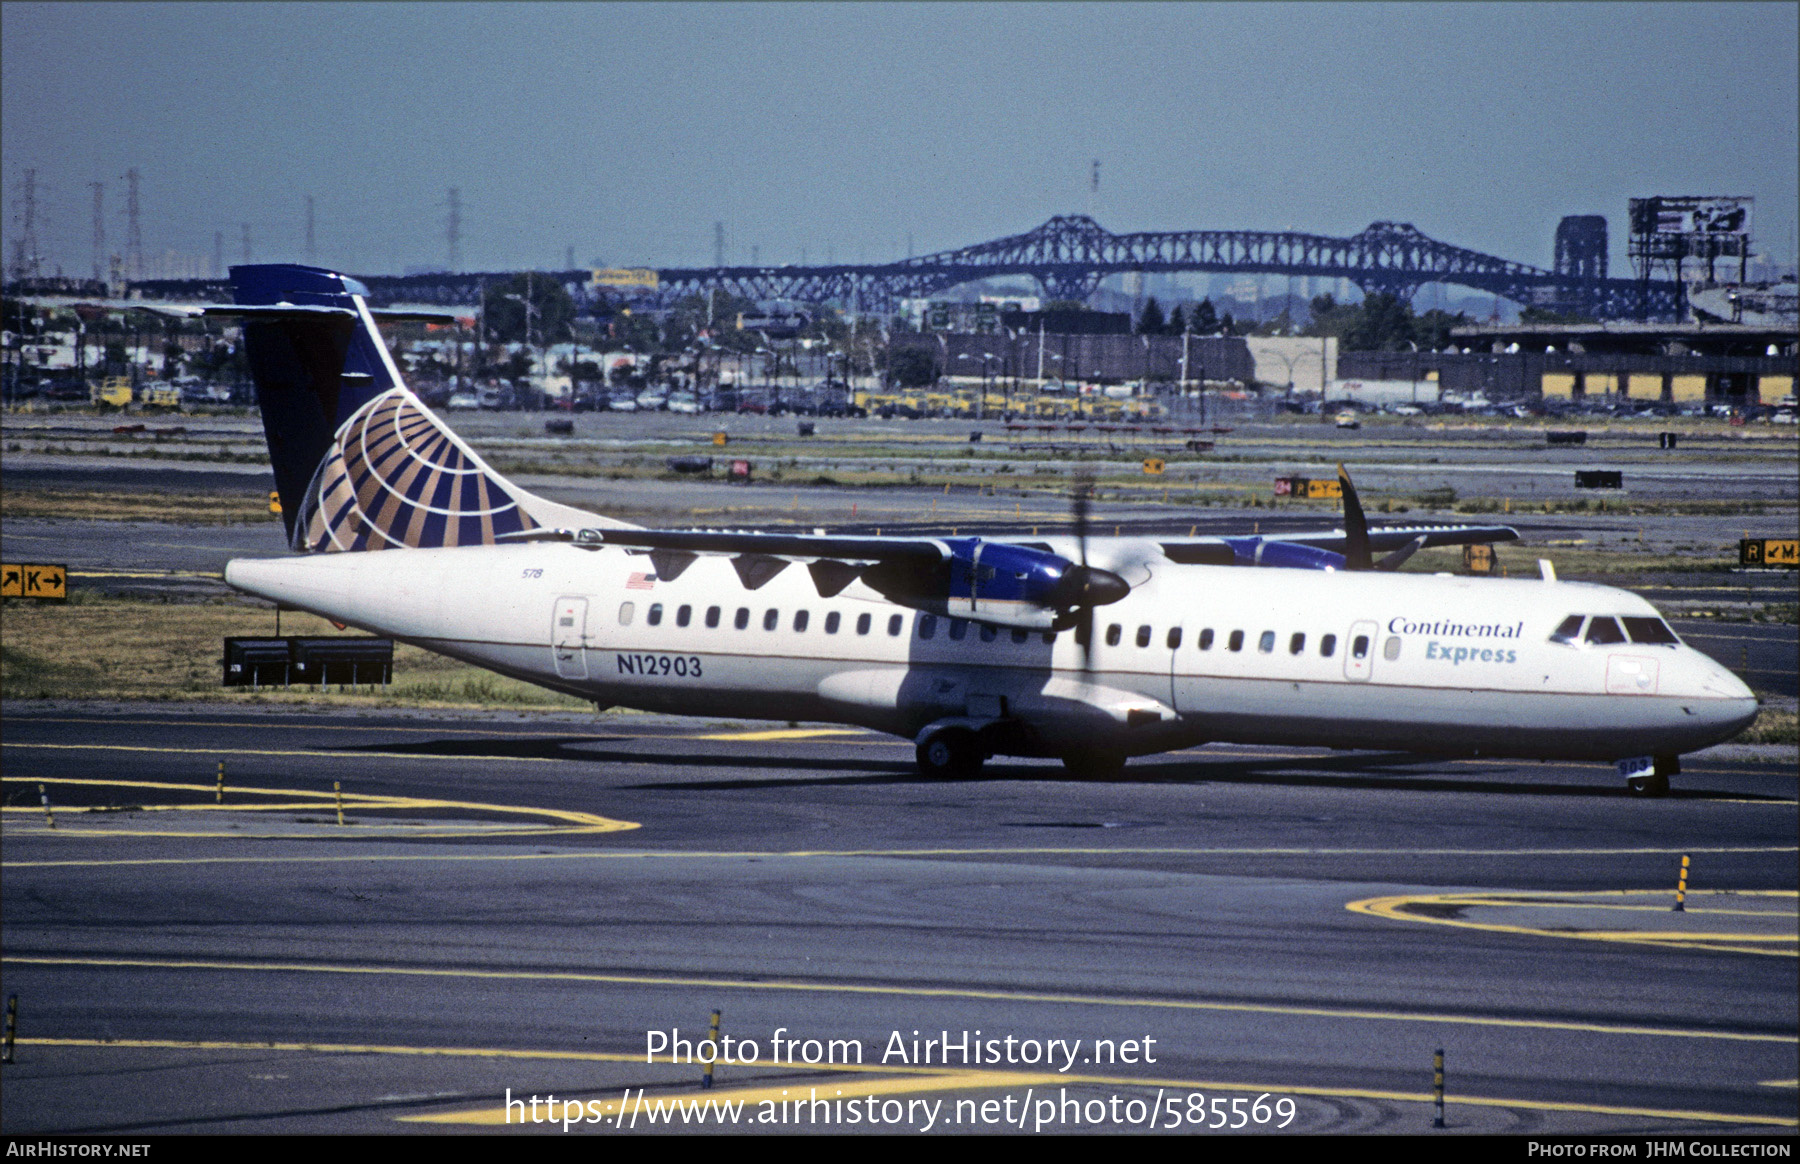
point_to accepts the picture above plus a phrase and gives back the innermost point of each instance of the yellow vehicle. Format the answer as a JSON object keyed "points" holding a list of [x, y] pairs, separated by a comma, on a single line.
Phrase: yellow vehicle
{"points": [[163, 395], [114, 390]]}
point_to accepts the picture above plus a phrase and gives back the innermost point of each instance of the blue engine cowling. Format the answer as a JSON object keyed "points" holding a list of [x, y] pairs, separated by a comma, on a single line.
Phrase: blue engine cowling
{"points": [[1001, 583], [1257, 551]]}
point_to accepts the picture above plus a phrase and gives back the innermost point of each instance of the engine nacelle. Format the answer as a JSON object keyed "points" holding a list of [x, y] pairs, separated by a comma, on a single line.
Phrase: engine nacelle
{"points": [[997, 582], [1258, 551]]}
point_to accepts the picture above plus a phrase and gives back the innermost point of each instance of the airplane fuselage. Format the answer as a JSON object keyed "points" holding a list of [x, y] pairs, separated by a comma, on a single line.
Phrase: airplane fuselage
{"points": [[1192, 654]]}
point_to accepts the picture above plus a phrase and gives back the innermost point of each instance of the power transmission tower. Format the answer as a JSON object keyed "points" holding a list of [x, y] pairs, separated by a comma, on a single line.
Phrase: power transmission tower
{"points": [[454, 231], [134, 235], [99, 189], [311, 251]]}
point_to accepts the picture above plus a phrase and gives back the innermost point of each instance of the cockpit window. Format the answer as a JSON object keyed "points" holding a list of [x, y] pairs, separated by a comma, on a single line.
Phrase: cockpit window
{"points": [[1602, 631], [1568, 630], [1650, 630]]}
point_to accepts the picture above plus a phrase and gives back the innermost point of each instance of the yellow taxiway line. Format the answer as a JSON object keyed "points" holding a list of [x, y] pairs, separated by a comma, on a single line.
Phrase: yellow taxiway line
{"points": [[1404, 907]]}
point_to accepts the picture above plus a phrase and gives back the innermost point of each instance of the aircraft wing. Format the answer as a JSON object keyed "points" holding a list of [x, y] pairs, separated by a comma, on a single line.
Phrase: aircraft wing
{"points": [[1218, 549]]}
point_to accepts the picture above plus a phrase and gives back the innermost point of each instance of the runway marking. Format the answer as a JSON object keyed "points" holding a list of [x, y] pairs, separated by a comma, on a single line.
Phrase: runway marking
{"points": [[1790, 1083], [808, 854], [316, 801], [1010, 996], [1403, 907], [896, 1079]]}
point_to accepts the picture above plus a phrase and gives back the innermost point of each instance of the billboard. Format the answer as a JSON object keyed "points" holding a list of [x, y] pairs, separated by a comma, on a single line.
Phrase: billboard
{"points": [[1686, 216], [634, 277]]}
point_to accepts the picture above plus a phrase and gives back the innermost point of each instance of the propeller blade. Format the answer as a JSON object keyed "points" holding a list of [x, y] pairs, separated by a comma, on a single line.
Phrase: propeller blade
{"points": [[1084, 634], [1356, 527]]}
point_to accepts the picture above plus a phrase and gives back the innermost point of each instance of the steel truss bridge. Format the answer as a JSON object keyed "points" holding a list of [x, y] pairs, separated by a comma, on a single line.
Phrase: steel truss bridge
{"points": [[1069, 256]]}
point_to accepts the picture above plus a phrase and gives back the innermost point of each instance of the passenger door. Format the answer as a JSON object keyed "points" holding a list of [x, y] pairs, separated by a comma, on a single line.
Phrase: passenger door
{"points": [[568, 638]]}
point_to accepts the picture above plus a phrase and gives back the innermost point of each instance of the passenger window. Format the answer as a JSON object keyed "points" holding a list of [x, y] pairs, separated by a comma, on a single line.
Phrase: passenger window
{"points": [[988, 632], [958, 628], [862, 624], [1359, 647], [771, 619], [1328, 646], [1568, 630], [896, 624], [1143, 636], [1266, 642], [712, 616], [684, 615], [1296, 644], [654, 615], [1174, 639], [1205, 640], [742, 619], [928, 626], [801, 618], [1236, 641], [1112, 634], [626, 610], [1390, 650], [1020, 634], [831, 622], [1602, 631], [1650, 630]]}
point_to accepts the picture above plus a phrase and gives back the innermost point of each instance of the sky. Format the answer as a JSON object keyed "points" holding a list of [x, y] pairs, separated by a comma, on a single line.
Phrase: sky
{"points": [[866, 132]]}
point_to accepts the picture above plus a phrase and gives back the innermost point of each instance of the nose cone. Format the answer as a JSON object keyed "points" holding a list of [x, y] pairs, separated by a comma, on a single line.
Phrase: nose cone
{"points": [[1731, 706], [1096, 587]]}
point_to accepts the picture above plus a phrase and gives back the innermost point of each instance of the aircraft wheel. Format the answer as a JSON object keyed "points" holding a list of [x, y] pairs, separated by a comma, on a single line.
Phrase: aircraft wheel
{"points": [[1655, 784], [952, 754], [1094, 765]]}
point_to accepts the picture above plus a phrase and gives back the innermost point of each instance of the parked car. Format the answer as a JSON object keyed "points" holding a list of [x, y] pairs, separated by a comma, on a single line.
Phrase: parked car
{"points": [[685, 403]]}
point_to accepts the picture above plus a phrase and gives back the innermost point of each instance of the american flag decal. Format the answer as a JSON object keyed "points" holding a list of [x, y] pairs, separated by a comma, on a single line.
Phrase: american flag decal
{"points": [[641, 582]]}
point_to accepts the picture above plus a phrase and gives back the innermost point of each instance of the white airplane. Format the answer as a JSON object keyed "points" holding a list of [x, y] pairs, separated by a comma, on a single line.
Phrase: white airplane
{"points": [[1087, 649]]}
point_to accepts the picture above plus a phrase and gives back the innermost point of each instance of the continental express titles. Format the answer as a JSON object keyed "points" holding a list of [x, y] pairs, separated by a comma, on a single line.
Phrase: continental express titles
{"points": [[1485, 642]]}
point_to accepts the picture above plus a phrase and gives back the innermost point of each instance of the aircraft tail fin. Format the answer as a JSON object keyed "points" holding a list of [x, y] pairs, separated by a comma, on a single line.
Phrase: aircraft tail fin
{"points": [[360, 462]]}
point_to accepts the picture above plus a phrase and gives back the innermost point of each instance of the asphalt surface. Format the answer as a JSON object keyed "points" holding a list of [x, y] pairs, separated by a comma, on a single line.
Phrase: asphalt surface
{"points": [[1275, 920]]}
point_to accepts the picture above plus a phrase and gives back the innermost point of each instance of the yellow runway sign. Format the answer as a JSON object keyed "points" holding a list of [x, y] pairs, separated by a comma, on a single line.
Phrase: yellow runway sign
{"points": [[25, 580]]}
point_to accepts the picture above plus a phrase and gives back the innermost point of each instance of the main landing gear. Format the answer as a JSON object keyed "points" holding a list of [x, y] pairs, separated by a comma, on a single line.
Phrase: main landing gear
{"points": [[950, 753]]}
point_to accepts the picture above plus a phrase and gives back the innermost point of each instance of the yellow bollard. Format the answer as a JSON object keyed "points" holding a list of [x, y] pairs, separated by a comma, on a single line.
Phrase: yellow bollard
{"points": [[219, 792], [45, 798], [337, 790], [712, 1036], [1681, 887], [1437, 1087]]}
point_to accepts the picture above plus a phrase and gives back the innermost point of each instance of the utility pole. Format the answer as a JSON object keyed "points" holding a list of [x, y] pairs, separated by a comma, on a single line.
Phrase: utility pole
{"points": [[99, 189], [311, 250], [134, 235], [454, 232]]}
